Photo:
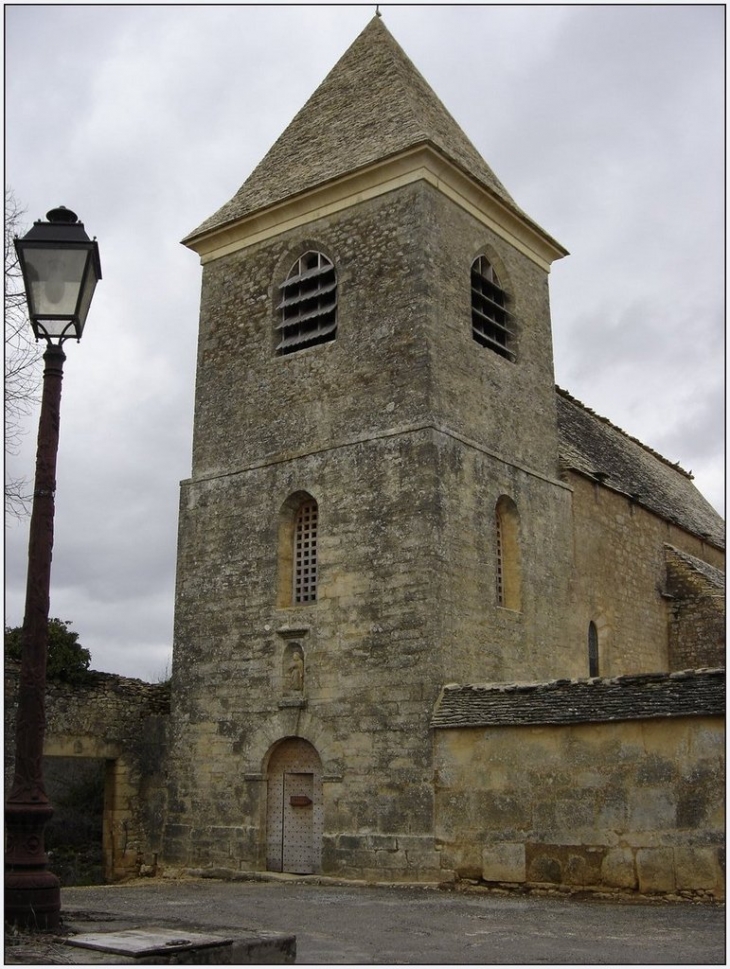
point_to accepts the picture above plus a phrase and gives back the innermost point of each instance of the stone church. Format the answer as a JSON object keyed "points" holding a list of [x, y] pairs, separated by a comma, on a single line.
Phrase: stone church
{"points": [[434, 617]]}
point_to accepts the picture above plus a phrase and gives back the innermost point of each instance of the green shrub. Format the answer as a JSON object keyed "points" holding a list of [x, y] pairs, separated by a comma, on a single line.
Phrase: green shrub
{"points": [[67, 659]]}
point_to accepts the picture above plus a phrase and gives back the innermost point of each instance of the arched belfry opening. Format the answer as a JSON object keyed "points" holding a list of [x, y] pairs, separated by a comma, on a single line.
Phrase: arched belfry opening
{"points": [[294, 808]]}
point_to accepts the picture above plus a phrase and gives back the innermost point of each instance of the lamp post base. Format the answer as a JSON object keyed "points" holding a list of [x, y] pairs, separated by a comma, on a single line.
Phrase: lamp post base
{"points": [[33, 900], [32, 893]]}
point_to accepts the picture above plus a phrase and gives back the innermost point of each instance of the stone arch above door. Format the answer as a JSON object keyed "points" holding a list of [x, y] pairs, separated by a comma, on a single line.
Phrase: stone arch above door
{"points": [[294, 807]]}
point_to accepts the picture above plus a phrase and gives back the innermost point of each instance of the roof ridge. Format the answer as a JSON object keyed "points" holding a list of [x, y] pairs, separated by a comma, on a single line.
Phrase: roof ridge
{"points": [[578, 403], [518, 686], [397, 64]]}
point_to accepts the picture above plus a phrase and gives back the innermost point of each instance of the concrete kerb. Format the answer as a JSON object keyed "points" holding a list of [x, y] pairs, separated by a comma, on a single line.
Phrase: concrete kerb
{"points": [[218, 874], [599, 893]]}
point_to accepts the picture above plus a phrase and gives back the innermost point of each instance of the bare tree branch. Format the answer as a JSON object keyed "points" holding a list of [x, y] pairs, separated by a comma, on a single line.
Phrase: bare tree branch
{"points": [[22, 359]]}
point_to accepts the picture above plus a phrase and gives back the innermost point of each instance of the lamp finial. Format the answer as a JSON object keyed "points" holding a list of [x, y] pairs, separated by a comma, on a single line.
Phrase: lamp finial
{"points": [[62, 214]]}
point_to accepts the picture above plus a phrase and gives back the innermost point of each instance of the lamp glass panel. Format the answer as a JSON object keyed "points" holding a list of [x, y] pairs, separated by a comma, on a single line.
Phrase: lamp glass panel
{"points": [[54, 277], [86, 294]]}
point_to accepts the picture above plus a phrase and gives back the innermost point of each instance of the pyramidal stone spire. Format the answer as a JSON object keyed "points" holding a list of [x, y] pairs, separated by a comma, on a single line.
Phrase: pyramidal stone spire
{"points": [[372, 105]]}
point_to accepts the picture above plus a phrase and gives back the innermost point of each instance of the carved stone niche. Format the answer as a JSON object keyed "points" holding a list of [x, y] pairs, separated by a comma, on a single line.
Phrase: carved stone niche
{"points": [[292, 664]]}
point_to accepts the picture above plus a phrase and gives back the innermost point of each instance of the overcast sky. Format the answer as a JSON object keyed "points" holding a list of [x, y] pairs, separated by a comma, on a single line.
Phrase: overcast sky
{"points": [[604, 123]]}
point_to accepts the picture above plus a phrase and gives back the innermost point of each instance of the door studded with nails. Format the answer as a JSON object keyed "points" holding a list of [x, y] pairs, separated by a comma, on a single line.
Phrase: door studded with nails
{"points": [[294, 811]]}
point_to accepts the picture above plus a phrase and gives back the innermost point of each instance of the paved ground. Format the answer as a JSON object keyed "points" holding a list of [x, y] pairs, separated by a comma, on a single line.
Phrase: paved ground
{"points": [[353, 924]]}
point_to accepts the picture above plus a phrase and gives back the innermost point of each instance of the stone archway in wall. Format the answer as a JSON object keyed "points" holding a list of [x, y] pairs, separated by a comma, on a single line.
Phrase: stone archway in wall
{"points": [[294, 807], [118, 835]]}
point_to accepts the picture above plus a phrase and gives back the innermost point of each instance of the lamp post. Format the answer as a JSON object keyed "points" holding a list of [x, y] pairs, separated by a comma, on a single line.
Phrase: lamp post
{"points": [[60, 267]]}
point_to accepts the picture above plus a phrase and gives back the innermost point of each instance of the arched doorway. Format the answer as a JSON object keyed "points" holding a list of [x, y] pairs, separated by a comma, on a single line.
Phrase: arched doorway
{"points": [[294, 808]]}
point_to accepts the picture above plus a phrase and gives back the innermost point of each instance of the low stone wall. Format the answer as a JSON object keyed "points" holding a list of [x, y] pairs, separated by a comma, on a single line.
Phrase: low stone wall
{"points": [[599, 784], [119, 720]]}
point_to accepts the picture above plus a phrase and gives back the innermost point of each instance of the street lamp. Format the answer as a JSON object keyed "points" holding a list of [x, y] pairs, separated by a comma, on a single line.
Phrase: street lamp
{"points": [[61, 268]]}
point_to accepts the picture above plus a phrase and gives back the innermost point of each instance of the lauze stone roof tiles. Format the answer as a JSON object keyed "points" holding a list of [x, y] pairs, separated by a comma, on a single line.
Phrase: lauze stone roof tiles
{"points": [[709, 576], [593, 446], [372, 105], [690, 693]]}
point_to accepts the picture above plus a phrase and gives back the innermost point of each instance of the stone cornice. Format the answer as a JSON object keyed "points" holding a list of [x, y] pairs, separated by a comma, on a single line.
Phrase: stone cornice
{"points": [[421, 163]]}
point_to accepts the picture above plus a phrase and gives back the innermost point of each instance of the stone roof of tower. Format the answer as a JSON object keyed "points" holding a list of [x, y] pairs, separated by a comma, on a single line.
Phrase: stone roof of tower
{"points": [[596, 447], [372, 105]]}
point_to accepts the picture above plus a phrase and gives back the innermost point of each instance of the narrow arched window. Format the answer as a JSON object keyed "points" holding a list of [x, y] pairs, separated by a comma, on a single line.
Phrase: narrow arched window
{"points": [[308, 306], [305, 552], [500, 561], [508, 564], [490, 319], [592, 649], [298, 550]]}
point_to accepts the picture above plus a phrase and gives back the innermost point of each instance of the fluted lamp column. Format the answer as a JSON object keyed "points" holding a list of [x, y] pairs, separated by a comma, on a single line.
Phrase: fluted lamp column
{"points": [[61, 268]]}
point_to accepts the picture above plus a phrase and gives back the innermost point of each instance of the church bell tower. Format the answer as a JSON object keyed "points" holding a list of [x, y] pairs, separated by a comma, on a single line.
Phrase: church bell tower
{"points": [[374, 428]]}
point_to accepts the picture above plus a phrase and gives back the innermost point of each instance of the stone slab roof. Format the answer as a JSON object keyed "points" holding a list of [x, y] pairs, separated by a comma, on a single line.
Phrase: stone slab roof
{"points": [[372, 105], [712, 577], [691, 693], [593, 446]]}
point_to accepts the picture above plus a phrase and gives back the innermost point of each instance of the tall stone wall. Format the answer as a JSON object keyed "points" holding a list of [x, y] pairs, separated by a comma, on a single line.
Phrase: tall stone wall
{"points": [[367, 718], [620, 581], [697, 632], [596, 784]]}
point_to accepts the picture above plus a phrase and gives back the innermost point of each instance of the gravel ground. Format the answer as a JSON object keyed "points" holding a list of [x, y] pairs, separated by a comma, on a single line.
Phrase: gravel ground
{"points": [[348, 924]]}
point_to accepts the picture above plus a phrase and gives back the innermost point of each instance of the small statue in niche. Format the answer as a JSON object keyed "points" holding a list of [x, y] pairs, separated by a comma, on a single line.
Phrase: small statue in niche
{"points": [[294, 674]]}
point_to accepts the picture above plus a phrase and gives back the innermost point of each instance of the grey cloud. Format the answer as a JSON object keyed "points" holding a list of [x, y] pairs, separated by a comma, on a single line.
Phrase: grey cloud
{"points": [[608, 129]]}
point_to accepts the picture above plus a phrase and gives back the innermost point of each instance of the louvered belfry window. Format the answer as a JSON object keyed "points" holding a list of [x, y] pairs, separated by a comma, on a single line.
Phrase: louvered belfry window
{"points": [[490, 319], [308, 307], [305, 552]]}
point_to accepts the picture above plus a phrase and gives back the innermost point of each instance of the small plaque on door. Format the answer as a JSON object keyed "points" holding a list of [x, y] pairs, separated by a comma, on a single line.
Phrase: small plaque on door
{"points": [[300, 800]]}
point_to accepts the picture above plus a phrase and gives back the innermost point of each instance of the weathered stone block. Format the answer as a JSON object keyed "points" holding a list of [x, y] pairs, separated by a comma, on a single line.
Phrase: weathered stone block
{"points": [[382, 842], [655, 869], [655, 769], [618, 868], [652, 808], [504, 863], [543, 866], [565, 864], [350, 842], [698, 868], [496, 811]]}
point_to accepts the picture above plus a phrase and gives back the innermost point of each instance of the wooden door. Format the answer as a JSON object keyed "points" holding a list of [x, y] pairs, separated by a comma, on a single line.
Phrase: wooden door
{"points": [[294, 810]]}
